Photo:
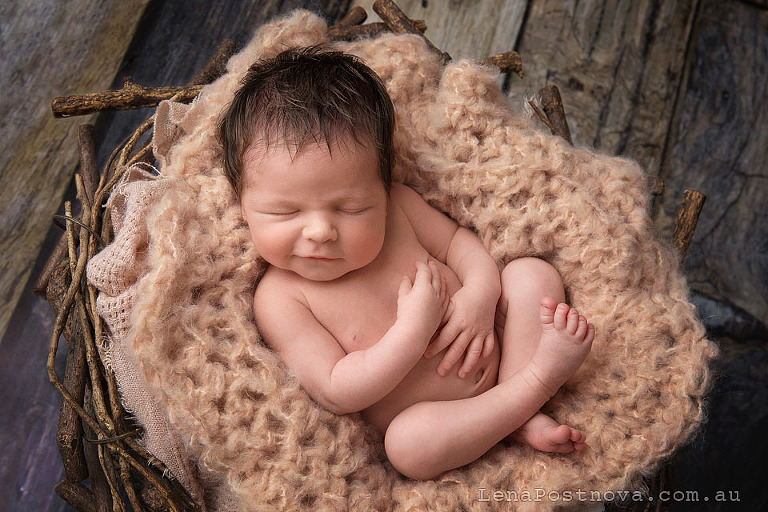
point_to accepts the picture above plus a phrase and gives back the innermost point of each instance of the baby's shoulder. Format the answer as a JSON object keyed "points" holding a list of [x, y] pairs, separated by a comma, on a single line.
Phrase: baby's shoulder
{"points": [[405, 204], [403, 195], [276, 285], [410, 202]]}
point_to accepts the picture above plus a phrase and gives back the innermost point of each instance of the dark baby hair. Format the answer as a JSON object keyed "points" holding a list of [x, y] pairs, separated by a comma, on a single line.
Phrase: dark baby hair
{"points": [[308, 95]]}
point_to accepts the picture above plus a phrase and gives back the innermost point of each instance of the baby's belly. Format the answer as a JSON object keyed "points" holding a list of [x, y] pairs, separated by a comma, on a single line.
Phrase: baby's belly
{"points": [[424, 384]]}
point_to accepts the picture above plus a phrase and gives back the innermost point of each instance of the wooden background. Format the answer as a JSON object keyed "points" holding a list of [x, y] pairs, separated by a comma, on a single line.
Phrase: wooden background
{"points": [[678, 85]]}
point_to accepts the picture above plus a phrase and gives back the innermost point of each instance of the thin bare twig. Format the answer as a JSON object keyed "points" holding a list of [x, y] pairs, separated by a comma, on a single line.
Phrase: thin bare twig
{"points": [[399, 23], [131, 95], [355, 16], [552, 104], [509, 62], [542, 116], [82, 225], [687, 218]]}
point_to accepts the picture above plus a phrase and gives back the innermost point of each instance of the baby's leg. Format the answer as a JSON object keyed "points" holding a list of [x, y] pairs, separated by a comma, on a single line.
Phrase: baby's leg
{"points": [[519, 322], [430, 438]]}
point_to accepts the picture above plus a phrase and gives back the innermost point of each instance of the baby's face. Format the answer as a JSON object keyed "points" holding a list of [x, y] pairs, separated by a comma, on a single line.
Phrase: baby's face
{"points": [[319, 214]]}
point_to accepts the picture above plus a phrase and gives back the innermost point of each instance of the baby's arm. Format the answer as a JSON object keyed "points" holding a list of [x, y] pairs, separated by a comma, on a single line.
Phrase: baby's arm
{"points": [[470, 326], [471, 312], [341, 382]]}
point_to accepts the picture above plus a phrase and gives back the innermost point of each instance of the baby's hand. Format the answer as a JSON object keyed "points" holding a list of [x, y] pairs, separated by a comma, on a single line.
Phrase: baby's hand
{"points": [[424, 302], [469, 331]]}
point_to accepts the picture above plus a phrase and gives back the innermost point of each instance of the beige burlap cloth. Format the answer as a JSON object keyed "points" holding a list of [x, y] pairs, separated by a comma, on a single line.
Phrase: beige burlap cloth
{"points": [[222, 411]]}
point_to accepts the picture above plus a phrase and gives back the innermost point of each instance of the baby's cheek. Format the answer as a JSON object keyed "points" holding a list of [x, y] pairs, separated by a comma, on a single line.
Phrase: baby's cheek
{"points": [[268, 243], [370, 242]]}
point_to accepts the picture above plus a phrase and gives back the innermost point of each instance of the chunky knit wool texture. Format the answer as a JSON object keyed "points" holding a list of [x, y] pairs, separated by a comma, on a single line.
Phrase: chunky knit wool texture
{"points": [[182, 299]]}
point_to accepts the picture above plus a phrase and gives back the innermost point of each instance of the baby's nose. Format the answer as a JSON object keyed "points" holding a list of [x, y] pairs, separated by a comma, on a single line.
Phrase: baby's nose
{"points": [[319, 229]]}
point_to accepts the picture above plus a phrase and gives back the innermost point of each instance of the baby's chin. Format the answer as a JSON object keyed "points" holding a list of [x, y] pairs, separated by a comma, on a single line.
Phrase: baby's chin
{"points": [[321, 277], [322, 271]]}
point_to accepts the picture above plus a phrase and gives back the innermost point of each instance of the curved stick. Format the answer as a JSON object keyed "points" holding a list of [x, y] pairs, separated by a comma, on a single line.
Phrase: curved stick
{"points": [[687, 218]]}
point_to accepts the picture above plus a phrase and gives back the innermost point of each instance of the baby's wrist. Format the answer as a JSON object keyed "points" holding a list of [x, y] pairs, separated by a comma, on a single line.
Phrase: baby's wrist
{"points": [[483, 292], [414, 328]]}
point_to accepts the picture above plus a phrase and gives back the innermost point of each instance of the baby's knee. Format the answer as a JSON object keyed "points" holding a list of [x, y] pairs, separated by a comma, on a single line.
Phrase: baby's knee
{"points": [[532, 275], [406, 451]]}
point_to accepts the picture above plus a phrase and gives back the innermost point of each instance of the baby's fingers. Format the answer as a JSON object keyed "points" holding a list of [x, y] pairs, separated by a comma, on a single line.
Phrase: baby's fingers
{"points": [[423, 276], [445, 300], [405, 286], [490, 341], [474, 351], [453, 355], [437, 279], [445, 335], [449, 305]]}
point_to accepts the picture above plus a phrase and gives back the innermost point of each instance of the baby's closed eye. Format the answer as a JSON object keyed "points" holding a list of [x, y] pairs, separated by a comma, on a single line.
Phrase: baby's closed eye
{"points": [[353, 210], [279, 213]]}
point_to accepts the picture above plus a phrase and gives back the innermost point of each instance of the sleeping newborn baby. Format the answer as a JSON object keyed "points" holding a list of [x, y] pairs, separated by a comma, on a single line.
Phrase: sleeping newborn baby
{"points": [[376, 301]]}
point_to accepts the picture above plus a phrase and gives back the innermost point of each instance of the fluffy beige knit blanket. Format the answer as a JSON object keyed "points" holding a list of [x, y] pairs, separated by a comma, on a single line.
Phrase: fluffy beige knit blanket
{"points": [[176, 288]]}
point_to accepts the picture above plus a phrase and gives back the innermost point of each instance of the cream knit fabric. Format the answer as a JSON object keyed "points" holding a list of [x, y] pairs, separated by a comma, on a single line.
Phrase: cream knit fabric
{"points": [[186, 301]]}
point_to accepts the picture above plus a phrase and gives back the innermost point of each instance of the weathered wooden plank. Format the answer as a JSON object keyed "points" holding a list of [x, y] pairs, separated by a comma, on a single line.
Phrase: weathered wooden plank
{"points": [[472, 29], [30, 464], [718, 146], [617, 64], [48, 48]]}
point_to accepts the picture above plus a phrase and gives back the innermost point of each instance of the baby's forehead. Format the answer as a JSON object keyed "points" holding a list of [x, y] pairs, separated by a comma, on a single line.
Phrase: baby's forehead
{"points": [[260, 156], [263, 152]]}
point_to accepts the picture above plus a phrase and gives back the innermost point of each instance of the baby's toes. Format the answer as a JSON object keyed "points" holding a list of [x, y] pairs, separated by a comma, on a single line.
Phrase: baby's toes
{"points": [[579, 439], [590, 334], [572, 324], [561, 316], [577, 436], [581, 331], [547, 308]]}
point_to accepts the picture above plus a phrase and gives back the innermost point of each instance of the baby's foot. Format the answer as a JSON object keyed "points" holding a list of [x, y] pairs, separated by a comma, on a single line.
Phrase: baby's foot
{"points": [[566, 338], [543, 433]]}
